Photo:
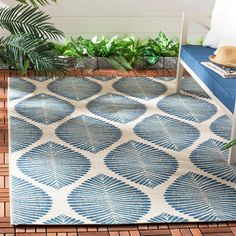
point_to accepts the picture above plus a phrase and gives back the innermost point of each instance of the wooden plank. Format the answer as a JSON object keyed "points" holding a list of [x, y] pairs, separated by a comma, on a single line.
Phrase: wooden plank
{"points": [[186, 232], [124, 233], [233, 229], [61, 229], [219, 234], [94, 234], [134, 233], [216, 229], [155, 232], [122, 228]]}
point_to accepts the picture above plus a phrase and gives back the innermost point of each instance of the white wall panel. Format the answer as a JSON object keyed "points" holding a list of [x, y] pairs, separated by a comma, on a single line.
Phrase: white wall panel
{"points": [[139, 17]]}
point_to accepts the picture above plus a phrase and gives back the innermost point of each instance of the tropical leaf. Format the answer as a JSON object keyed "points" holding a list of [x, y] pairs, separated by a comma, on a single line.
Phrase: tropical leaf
{"points": [[23, 193], [229, 145], [28, 20], [44, 108], [63, 220], [116, 108], [37, 2], [118, 202], [88, 133], [140, 87], [75, 88], [167, 132], [19, 88], [202, 198], [141, 163], [53, 165], [187, 107], [210, 158], [23, 49], [23, 134], [167, 218]]}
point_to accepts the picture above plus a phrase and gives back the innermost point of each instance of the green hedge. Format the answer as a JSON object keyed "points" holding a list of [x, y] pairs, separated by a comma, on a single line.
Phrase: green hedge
{"points": [[121, 52]]}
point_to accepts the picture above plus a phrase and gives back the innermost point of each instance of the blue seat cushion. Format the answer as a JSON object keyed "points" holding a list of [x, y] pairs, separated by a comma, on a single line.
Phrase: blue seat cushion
{"points": [[223, 89]]}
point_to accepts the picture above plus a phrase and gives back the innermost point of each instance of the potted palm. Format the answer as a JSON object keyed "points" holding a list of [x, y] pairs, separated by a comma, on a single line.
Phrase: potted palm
{"points": [[29, 43]]}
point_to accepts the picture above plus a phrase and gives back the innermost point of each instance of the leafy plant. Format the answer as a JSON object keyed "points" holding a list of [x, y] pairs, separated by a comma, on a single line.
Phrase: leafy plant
{"points": [[36, 2], [122, 53], [133, 51], [81, 47], [229, 145], [151, 56], [109, 49], [201, 40], [60, 48], [29, 41], [163, 46], [112, 50]]}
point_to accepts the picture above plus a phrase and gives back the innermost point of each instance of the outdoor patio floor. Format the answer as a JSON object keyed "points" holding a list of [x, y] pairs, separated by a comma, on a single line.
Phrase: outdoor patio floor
{"points": [[219, 229]]}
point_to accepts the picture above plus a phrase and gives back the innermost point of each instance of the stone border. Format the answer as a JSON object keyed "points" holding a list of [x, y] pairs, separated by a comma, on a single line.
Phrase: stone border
{"points": [[102, 63]]}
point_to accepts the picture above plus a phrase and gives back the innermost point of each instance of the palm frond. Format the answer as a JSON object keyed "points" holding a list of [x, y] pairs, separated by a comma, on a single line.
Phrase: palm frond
{"points": [[229, 145], [29, 20], [23, 49], [36, 2]]}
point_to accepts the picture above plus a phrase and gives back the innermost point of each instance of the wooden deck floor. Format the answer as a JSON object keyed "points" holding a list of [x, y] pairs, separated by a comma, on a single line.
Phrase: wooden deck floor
{"points": [[203, 229]]}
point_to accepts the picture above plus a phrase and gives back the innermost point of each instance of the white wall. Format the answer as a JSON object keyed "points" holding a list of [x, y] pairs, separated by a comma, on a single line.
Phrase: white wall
{"points": [[142, 18]]}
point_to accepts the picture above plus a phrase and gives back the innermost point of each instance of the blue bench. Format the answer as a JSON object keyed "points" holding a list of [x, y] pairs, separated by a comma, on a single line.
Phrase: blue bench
{"points": [[222, 91]]}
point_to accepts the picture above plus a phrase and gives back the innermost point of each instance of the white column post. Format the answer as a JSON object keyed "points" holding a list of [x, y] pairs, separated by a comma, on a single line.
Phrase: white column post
{"points": [[183, 40]]}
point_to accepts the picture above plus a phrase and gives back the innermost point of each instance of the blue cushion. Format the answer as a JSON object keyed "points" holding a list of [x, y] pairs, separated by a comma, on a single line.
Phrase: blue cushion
{"points": [[223, 89]]}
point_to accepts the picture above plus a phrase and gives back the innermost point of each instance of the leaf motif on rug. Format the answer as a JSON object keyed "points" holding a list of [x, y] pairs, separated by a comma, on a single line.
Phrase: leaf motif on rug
{"points": [[222, 127], [209, 158], [89, 134], [140, 87], [113, 156], [187, 107], [54, 165], [26, 134], [75, 88], [116, 108], [167, 132], [141, 163], [20, 88], [189, 85], [63, 220], [107, 200], [28, 202], [202, 198], [167, 218], [39, 108]]}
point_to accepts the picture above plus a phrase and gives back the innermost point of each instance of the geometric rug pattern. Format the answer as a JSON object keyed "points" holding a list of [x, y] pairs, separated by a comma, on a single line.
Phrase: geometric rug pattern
{"points": [[117, 150]]}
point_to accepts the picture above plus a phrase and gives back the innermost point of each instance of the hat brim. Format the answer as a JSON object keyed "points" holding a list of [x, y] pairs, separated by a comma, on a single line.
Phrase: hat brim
{"points": [[214, 60]]}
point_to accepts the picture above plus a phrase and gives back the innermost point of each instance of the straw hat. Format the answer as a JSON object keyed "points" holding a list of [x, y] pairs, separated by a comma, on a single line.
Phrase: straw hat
{"points": [[225, 56]]}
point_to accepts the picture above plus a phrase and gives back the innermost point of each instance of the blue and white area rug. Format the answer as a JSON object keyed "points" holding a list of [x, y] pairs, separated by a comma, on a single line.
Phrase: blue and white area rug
{"points": [[117, 151]]}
